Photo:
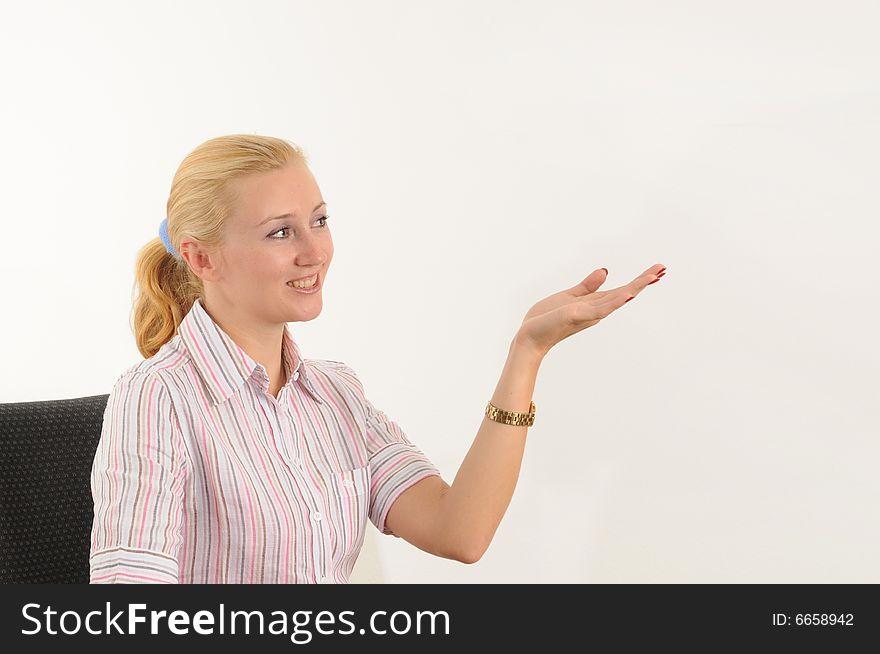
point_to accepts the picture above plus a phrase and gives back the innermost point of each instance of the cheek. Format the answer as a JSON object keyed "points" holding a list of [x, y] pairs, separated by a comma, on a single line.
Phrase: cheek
{"points": [[246, 265], [263, 266]]}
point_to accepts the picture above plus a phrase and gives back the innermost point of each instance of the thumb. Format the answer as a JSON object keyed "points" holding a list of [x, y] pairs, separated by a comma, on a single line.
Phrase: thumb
{"points": [[590, 283]]}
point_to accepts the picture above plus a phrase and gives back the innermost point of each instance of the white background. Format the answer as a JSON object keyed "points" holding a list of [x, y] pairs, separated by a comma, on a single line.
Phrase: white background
{"points": [[476, 157]]}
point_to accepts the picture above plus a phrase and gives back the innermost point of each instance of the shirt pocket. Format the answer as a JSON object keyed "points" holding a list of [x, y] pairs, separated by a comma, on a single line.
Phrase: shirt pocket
{"points": [[350, 499], [350, 484]]}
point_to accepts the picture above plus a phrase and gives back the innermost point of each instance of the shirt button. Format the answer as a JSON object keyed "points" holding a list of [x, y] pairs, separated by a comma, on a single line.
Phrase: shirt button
{"points": [[323, 580], [296, 375], [316, 516]]}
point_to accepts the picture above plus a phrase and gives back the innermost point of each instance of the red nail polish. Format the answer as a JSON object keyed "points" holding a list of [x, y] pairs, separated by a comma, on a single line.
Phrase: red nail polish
{"points": [[654, 282], [606, 270], [661, 270], [629, 298]]}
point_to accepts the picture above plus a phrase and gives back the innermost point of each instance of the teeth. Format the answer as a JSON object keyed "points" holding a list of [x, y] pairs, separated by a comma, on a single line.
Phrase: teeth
{"points": [[306, 283]]}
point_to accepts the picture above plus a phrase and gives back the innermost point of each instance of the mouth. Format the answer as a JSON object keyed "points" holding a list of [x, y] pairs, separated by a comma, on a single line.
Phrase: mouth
{"points": [[314, 287]]}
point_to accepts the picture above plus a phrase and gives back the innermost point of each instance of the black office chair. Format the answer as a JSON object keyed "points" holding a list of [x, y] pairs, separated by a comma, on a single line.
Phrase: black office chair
{"points": [[46, 509]]}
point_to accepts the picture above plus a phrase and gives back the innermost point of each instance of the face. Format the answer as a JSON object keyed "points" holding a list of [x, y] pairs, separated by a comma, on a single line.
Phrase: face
{"points": [[277, 232]]}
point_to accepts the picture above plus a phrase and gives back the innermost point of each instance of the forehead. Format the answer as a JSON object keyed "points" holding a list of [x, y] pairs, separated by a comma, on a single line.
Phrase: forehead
{"points": [[291, 189]]}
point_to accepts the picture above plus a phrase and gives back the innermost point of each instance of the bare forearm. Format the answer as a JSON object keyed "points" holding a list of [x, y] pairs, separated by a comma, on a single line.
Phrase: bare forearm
{"points": [[481, 491]]}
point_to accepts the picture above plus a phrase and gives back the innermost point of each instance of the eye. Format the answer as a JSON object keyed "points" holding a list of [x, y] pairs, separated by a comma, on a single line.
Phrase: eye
{"points": [[325, 218]]}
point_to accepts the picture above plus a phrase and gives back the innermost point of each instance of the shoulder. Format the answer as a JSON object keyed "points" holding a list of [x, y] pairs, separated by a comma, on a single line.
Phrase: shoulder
{"points": [[146, 397], [330, 368], [148, 382], [337, 377], [170, 357], [140, 390]]}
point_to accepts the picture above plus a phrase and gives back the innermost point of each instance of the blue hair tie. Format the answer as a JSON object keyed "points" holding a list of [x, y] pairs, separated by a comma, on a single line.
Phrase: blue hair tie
{"points": [[163, 234]]}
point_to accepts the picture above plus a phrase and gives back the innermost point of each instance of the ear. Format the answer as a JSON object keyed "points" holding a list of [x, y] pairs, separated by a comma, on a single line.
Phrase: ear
{"points": [[203, 261]]}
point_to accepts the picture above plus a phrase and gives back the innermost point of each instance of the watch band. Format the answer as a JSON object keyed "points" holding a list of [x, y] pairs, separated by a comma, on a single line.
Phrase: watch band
{"points": [[514, 418]]}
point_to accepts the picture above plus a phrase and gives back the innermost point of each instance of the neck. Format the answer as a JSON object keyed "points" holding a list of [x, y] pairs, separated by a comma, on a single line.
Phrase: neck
{"points": [[261, 341]]}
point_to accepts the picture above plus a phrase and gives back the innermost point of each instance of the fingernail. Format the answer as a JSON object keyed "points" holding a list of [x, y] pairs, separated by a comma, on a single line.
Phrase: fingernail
{"points": [[655, 281], [606, 270], [661, 270], [631, 297]]}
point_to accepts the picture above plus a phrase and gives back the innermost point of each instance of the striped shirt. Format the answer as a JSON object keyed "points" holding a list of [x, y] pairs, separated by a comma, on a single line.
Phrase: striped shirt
{"points": [[202, 476]]}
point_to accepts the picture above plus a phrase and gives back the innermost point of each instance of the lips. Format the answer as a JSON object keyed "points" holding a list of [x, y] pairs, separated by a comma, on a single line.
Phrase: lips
{"points": [[299, 279], [311, 289]]}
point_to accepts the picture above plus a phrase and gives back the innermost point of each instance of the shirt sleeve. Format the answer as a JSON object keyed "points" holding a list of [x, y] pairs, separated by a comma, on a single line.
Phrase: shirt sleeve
{"points": [[396, 463], [138, 479]]}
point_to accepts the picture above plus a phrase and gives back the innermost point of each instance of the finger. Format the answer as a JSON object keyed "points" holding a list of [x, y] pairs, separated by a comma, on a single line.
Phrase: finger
{"points": [[599, 298], [653, 274], [599, 309], [618, 297], [650, 276], [637, 284], [613, 300], [657, 271], [589, 284]]}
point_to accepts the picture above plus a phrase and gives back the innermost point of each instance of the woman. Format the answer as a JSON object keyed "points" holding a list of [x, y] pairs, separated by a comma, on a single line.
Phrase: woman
{"points": [[228, 457]]}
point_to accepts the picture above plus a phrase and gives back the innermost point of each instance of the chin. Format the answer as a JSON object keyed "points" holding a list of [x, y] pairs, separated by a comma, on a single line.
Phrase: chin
{"points": [[303, 314]]}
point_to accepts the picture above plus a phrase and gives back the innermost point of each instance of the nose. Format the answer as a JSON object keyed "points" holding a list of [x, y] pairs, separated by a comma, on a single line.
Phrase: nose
{"points": [[310, 250]]}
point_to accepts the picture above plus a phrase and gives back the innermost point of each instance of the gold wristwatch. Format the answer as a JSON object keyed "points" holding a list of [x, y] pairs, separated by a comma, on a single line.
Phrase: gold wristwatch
{"points": [[515, 418]]}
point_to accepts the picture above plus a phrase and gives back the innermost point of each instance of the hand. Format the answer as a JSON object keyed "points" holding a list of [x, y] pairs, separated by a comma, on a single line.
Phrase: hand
{"points": [[567, 312]]}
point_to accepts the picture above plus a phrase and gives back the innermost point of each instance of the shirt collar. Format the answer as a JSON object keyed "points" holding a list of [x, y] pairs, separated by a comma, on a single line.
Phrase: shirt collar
{"points": [[224, 366]]}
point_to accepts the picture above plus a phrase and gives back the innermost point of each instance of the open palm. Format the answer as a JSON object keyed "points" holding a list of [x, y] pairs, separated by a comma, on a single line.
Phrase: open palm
{"points": [[567, 312]]}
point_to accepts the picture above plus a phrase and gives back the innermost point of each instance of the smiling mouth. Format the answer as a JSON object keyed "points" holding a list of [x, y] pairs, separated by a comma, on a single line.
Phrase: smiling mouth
{"points": [[314, 281]]}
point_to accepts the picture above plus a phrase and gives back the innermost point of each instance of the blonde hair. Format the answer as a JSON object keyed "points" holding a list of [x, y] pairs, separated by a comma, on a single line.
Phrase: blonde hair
{"points": [[198, 206]]}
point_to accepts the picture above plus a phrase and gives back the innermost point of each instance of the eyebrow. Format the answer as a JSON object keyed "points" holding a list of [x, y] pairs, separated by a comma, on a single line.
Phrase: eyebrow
{"points": [[286, 215]]}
